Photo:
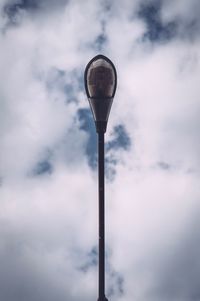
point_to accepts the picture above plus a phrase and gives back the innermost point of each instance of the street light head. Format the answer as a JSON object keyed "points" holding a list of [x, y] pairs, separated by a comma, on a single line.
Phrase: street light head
{"points": [[100, 86]]}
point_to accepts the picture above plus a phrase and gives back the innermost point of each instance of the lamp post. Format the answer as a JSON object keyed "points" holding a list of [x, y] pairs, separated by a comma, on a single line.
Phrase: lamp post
{"points": [[100, 85]]}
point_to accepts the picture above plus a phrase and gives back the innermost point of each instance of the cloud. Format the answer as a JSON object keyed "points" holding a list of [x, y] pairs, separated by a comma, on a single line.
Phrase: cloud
{"points": [[156, 30], [48, 187], [186, 13]]}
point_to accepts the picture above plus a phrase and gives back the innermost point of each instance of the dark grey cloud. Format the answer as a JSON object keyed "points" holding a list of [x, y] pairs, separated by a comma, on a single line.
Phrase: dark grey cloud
{"points": [[164, 165]]}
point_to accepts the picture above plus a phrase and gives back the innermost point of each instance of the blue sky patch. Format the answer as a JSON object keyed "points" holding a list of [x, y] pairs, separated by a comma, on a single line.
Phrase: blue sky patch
{"points": [[156, 30], [120, 141], [12, 10], [87, 125], [116, 284], [43, 167], [91, 260], [100, 41]]}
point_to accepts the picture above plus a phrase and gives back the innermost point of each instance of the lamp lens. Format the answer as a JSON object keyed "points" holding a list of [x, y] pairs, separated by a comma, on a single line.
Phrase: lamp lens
{"points": [[101, 79]]}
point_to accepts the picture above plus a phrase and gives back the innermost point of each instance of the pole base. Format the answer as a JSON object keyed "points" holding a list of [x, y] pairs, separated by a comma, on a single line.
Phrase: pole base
{"points": [[102, 299]]}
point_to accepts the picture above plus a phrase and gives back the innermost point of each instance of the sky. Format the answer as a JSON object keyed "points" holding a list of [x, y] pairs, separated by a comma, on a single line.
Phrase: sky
{"points": [[48, 153]]}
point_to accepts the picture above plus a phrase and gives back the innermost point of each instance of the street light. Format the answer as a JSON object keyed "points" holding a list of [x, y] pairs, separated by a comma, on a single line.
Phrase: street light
{"points": [[100, 85]]}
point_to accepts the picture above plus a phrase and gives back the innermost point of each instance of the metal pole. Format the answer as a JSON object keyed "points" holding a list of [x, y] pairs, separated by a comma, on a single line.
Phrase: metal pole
{"points": [[101, 217]]}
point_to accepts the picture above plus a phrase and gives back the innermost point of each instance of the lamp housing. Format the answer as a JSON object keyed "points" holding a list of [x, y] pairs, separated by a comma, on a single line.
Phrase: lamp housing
{"points": [[100, 85]]}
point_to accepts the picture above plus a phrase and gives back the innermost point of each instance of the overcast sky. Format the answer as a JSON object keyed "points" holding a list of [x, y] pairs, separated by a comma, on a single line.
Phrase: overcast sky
{"points": [[48, 175]]}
